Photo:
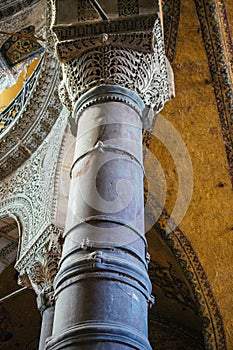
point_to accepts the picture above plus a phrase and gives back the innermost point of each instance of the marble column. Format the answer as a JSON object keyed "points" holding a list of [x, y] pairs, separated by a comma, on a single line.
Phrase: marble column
{"points": [[46, 326], [102, 289], [45, 302], [114, 72]]}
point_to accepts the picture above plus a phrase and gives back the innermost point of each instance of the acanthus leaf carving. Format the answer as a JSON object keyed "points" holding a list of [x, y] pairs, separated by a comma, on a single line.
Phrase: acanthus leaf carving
{"points": [[39, 266], [144, 73]]}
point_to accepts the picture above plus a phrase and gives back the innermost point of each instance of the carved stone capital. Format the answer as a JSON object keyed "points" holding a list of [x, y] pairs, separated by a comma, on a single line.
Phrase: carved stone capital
{"points": [[39, 270], [124, 49]]}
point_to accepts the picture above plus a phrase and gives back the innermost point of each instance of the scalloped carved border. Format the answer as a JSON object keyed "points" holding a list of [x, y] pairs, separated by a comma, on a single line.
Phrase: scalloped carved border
{"points": [[171, 19], [216, 34]]}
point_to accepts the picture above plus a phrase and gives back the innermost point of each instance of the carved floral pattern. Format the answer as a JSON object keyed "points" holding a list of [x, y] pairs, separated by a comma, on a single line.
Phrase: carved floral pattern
{"points": [[144, 73], [39, 266]]}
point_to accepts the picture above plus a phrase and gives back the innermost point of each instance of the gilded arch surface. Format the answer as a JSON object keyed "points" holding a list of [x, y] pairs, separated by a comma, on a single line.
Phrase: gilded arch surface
{"points": [[217, 40], [35, 118]]}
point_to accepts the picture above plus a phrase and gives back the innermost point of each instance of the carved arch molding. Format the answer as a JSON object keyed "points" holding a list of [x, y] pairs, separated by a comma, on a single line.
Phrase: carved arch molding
{"points": [[33, 121]]}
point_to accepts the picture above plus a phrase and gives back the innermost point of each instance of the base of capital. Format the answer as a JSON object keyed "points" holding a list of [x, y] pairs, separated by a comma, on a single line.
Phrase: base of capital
{"points": [[107, 93]]}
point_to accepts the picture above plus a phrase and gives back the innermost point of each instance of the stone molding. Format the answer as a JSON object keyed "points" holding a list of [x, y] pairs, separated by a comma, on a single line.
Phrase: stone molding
{"points": [[133, 33], [145, 74]]}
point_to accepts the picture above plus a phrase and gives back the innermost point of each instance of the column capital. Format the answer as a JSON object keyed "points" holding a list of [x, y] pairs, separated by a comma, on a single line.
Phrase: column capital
{"points": [[123, 48], [40, 268]]}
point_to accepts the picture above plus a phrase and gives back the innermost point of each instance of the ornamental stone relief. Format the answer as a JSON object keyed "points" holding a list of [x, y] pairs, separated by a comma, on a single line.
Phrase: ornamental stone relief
{"points": [[144, 73], [29, 193], [40, 267], [123, 48]]}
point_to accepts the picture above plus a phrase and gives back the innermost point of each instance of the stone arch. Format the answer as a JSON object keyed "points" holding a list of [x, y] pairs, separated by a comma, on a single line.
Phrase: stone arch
{"points": [[20, 209], [40, 110]]}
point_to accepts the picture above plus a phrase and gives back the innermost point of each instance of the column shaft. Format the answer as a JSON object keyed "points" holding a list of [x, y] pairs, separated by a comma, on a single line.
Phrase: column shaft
{"points": [[102, 289], [46, 326]]}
